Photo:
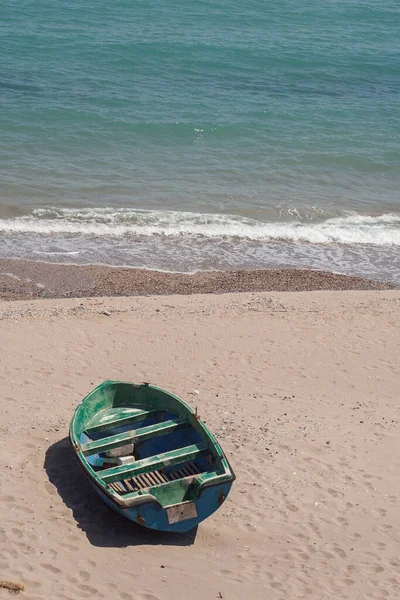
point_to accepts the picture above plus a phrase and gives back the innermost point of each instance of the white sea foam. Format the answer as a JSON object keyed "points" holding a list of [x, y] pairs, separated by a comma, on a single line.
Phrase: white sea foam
{"points": [[66, 253], [347, 229]]}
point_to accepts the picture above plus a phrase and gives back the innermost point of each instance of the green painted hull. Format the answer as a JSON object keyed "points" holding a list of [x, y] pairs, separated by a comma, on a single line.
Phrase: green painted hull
{"points": [[149, 456]]}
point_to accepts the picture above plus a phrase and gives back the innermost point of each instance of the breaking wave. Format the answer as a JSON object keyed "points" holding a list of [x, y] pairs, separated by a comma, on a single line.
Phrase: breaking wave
{"points": [[345, 229]]}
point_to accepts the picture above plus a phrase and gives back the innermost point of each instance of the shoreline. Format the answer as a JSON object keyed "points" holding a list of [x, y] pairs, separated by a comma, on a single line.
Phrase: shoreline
{"points": [[24, 280]]}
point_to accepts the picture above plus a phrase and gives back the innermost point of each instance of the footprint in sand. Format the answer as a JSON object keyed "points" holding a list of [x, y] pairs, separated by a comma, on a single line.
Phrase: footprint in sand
{"points": [[341, 553], [314, 527], [29, 446], [383, 528], [292, 508], [125, 596], [371, 568], [69, 546], [8, 499], [50, 568], [328, 555], [93, 592], [301, 536], [24, 509], [229, 576], [380, 546], [335, 493], [17, 532], [379, 512]]}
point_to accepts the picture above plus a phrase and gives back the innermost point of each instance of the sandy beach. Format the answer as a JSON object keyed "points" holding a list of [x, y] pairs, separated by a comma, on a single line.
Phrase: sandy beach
{"points": [[204, 197], [300, 389]]}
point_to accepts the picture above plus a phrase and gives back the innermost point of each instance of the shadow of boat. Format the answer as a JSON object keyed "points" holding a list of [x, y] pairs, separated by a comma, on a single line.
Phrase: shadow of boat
{"points": [[102, 526]]}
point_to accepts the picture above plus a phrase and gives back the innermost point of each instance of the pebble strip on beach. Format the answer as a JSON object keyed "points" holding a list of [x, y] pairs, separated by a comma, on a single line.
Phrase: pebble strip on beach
{"points": [[25, 280]]}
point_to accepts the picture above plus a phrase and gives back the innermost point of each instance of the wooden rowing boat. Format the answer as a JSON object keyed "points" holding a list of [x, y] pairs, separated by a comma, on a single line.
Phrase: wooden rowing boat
{"points": [[149, 456]]}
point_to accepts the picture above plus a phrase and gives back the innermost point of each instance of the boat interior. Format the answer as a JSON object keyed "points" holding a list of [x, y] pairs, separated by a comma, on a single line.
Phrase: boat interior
{"points": [[132, 450]]}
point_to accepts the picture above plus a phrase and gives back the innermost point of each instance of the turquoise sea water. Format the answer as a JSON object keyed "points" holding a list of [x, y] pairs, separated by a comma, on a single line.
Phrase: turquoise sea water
{"points": [[186, 135]]}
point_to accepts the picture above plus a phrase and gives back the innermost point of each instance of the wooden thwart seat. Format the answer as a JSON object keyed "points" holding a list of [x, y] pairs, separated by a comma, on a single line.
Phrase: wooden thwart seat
{"points": [[153, 463], [136, 435], [113, 423]]}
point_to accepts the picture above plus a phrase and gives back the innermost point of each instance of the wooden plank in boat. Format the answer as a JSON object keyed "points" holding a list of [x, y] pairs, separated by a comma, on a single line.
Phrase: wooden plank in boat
{"points": [[152, 463]]}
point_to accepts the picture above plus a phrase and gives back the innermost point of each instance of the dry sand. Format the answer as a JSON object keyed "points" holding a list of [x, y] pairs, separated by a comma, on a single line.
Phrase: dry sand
{"points": [[301, 389]]}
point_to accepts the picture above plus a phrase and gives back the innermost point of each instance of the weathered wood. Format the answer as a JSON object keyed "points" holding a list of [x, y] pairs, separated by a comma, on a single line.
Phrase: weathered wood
{"points": [[208, 476], [146, 479], [128, 485], [152, 478], [173, 457], [185, 471], [160, 477], [140, 482]]}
